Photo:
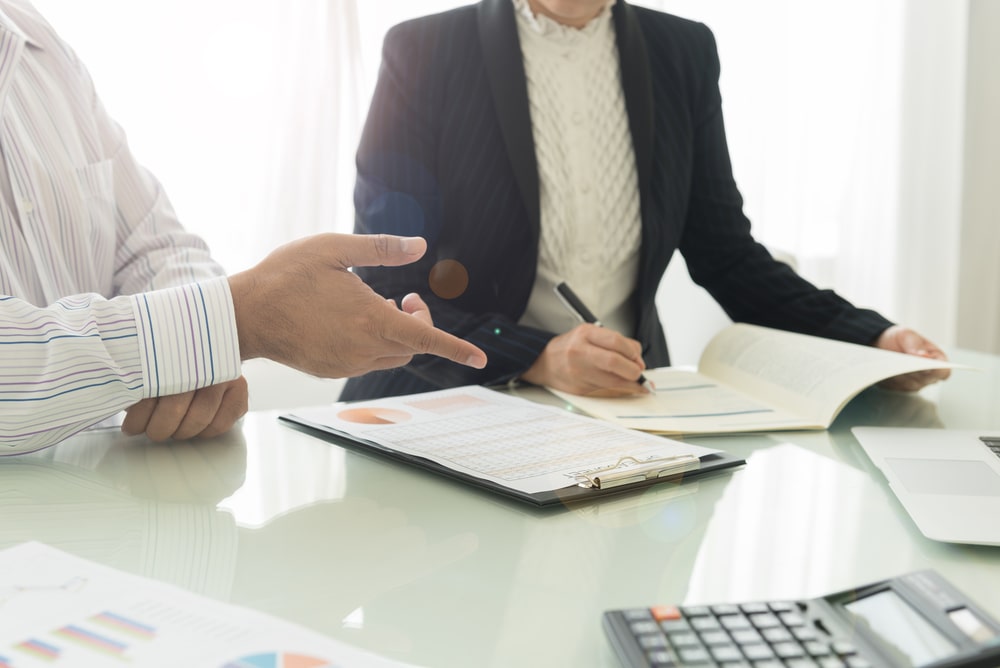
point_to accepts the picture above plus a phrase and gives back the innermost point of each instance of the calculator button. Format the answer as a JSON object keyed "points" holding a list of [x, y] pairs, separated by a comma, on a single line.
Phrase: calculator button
{"points": [[684, 639], [735, 622], [696, 611], [664, 612], [804, 633], [693, 656], [726, 609], [642, 628], [757, 652], [830, 662], [769, 663], [661, 659], [815, 648], [734, 664], [842, 648], [637, 614], [801, 663], [782, 606], [779, 634], [788, 650], [765, 620], [746, 636], [754, 608], [713, 638], [792, 619], [725, 653], [705, 623], [671, 625], [652, 642], [858, 662]]}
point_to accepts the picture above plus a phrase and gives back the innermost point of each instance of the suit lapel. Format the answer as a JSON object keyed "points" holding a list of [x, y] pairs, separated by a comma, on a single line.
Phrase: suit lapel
{"points": [[638, 89], [505, 70]]}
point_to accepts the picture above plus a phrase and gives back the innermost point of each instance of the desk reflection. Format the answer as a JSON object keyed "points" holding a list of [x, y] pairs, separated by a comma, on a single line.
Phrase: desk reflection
{"points": [[143, 507]]}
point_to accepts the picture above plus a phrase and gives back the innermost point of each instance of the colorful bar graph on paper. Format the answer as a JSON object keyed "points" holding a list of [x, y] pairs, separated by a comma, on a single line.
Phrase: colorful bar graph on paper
{"points": [[39, 649], [130, 627], [91, 640], [279, 660]]}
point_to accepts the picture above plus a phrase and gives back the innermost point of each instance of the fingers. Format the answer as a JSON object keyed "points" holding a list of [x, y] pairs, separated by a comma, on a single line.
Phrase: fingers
{"points": [[234, 405], [612, 341], [905, 340], [374, 250], [415, 306], [161, 419], [591, 361], [137, 416], [202, 413], [418, 336], [911, 382]]}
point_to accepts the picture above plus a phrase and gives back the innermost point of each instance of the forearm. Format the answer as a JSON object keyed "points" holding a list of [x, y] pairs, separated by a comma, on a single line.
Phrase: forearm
{"points": [[83, 359]]}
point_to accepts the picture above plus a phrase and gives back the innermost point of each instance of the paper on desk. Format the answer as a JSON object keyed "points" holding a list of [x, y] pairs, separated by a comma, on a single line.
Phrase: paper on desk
{"points": [[753, 378], [508, 440], [59, 609]]}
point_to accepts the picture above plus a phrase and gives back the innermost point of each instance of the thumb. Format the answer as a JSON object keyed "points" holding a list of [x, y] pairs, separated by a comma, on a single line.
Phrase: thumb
{"points": [[374, 250]]}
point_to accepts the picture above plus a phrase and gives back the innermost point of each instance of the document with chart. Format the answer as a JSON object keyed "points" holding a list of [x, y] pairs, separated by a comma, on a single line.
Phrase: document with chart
{"points": [[508, 443], [753, 378], [57, 609]]}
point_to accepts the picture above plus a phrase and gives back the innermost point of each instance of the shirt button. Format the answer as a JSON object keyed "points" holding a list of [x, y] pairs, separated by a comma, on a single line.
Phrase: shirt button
{"points": [[577, 117], [27, 205], [585, 188]]}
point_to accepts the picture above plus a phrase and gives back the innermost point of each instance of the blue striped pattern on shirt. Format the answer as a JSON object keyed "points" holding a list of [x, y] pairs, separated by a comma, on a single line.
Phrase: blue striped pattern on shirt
{"points": [[104, 298]]}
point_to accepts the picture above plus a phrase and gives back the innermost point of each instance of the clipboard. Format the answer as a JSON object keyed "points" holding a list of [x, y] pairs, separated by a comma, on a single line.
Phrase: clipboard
{"points": [[627, 475]]}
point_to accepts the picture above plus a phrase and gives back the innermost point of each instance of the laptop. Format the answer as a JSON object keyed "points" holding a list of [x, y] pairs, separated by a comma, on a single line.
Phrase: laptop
{"points": [[947, 480]]}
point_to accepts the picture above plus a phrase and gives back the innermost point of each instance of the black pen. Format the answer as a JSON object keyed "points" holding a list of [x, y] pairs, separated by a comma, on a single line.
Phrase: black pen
{"points": [[573, 303]]}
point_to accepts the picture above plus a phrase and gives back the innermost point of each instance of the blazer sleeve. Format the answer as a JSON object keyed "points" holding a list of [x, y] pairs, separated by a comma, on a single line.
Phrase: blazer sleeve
{"points": [[723, 257], [402, 187]]}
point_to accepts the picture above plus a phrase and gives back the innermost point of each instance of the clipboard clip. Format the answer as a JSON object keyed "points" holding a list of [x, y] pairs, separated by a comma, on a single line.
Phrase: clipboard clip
{"points": [[624, 473]]}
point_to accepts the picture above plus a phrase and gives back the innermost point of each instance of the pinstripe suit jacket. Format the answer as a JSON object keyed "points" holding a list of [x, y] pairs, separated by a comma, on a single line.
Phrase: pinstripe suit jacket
{"points": [[447, 153]]}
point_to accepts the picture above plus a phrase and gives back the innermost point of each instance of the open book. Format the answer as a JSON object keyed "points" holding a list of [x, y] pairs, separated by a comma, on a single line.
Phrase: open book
{"points": [[752, 378]]}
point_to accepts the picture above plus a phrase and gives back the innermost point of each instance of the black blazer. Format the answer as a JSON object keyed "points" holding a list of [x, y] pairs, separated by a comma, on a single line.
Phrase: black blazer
{"points": [[447, 153]]}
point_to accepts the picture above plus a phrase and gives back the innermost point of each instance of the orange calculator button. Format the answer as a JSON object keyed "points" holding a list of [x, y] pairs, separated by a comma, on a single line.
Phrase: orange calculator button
{"points": [[665, 612]]}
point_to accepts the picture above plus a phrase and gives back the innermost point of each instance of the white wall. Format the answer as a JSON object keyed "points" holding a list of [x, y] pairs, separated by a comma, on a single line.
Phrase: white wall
{"points": [[979, 273]]}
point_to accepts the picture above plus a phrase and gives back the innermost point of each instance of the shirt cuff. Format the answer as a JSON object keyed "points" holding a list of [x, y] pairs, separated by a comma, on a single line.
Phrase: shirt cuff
{"points": [[187, 337]]}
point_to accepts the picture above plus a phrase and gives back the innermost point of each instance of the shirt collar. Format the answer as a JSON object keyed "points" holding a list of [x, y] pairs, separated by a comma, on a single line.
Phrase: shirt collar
{"points": [[10, 25], [545, 26]]}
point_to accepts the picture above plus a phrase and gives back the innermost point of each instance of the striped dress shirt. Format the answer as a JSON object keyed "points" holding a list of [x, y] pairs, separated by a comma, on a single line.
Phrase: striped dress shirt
{"points": [[104, 298]]}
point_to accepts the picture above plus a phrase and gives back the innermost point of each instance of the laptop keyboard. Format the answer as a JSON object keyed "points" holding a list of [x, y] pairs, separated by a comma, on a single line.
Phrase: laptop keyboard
{"points": [[993, 443]]}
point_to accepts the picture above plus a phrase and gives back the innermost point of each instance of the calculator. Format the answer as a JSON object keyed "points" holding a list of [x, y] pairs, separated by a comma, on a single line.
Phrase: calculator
{"points": [[917, 620]]}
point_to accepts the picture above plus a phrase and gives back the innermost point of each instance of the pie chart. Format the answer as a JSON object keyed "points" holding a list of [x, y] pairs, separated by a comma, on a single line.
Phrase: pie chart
{"points": [[279, 660]]}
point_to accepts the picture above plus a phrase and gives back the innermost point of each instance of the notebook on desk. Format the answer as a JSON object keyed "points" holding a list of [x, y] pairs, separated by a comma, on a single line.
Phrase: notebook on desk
{"points": [[947, 480]]}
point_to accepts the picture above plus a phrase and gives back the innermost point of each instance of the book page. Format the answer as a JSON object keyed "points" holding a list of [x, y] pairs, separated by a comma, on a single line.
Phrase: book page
{"points": [[687, 402], [511, 441], [755, 379], [806, 375]]}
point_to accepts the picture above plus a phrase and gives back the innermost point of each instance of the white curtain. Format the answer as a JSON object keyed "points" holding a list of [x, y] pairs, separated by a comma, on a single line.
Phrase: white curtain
{"points": [[844, 121]]}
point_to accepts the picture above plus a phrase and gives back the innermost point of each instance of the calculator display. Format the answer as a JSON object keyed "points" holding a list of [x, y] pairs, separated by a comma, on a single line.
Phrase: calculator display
{"points": [[901, 627]]}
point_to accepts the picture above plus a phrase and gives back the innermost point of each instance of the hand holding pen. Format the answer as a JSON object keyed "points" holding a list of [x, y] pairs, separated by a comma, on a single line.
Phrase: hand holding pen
{"points": [[589, 359], [574, 304]]}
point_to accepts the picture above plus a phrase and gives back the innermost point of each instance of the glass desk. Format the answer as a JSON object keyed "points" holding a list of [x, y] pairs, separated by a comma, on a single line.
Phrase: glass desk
{"points": [[424, 570]]}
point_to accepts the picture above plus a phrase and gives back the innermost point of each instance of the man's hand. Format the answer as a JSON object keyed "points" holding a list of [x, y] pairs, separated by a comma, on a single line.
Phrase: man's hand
{"points": [[904, 340], [591, 361], [203, 413], [303, 307]]}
